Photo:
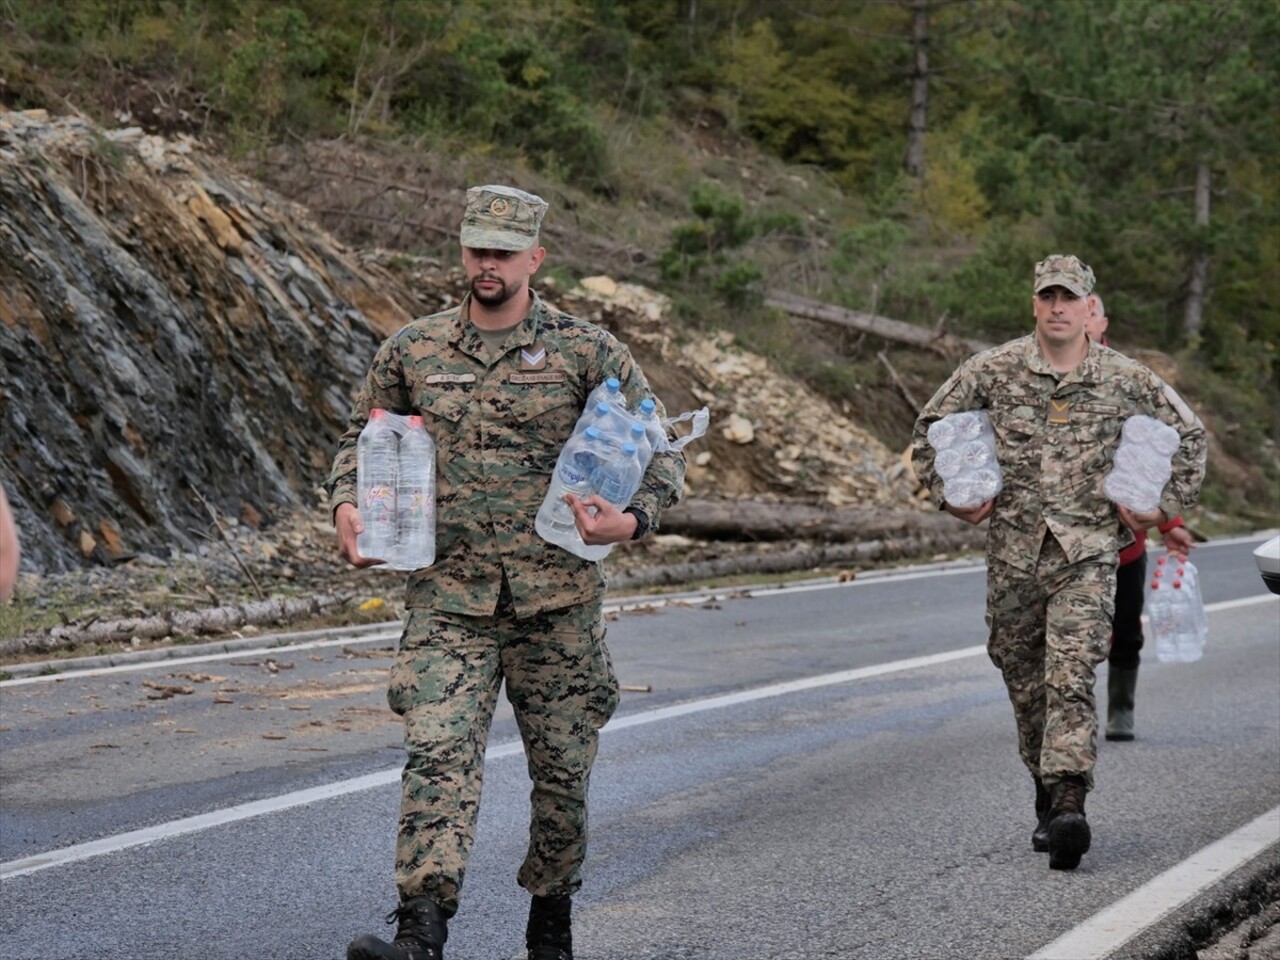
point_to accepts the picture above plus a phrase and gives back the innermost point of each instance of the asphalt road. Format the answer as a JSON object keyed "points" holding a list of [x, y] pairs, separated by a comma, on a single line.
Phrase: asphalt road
{"points": [[820, 771]]}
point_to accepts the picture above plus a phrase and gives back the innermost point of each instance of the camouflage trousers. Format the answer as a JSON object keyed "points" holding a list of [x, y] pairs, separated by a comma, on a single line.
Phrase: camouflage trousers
{"points": [[1048, 631], [444, 683]]}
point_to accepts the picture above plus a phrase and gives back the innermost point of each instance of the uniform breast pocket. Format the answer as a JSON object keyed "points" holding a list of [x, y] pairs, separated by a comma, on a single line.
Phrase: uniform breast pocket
{"points": [[441, 413], [545, 420], [1018, 436], [1096, 427]]}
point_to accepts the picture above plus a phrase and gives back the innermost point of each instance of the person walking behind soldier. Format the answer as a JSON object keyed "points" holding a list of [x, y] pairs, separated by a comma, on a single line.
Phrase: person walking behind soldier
{"points": [[1131, 581], [1057, 404], [500, 381]]}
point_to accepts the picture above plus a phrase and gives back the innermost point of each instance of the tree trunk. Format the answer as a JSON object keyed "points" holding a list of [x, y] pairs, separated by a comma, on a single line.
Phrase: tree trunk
{"points": [[913, 162], [798, 558], [752, 520], [1194, 313], [218, 620], [883, 327]]}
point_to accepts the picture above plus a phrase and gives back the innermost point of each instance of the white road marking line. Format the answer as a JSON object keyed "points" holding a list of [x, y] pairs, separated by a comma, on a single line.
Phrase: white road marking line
{"points": [[135, 838], [272, 652], [244, 811], [263, 652], [1107, 931]]}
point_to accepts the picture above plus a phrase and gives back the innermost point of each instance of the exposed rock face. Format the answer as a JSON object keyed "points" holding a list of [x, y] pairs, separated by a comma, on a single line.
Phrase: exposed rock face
{"points": [[169, 328], [164, 325]]}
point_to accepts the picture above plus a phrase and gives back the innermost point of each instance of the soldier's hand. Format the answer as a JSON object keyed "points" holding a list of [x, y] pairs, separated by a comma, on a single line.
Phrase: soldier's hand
{"points": [[973, 515], [1138, 522], [1178, 540], [349, 525], [599, 521]]}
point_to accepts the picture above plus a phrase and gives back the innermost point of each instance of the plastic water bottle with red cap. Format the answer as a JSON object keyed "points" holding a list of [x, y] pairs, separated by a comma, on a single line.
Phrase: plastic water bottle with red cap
{"points": [[1175, 610], [376, 475], [416, 498]]}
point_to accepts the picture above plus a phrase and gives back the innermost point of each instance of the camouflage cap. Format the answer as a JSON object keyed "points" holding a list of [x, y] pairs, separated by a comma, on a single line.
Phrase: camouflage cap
{"points": [[1061, 270], [501, 218]]}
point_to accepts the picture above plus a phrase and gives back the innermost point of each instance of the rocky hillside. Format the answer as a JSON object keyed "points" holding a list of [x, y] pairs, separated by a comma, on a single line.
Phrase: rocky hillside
{"points": [[179, 346]]}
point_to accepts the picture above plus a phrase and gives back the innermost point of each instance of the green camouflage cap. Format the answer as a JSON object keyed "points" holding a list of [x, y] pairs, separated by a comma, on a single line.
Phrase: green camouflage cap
{"points": [[1061, 270], [501, 218]]}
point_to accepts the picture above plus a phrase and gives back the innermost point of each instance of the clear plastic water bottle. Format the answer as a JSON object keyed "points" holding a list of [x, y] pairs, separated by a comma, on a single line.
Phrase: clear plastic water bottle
{"points": [[1185, 571], [942, 434], [574, 468], [610, 392], [1175, 614], [948, 463], [647, 413], [416, 498], [970, 425], [986, 484], [1191, 623], [1162, 620], [640, 437], [612, 421], [616, 478], [376, 455]]}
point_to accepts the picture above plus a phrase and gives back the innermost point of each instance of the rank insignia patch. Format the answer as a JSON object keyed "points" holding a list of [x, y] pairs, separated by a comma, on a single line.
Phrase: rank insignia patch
{"points": [[533, 358]]}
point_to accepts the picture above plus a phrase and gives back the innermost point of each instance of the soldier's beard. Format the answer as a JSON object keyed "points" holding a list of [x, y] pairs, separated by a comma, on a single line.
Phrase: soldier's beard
{"points": [[503, 294]]}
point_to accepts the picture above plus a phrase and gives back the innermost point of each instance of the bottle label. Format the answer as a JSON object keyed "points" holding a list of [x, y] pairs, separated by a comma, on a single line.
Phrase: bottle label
{"points": [[378, 496], [419, 504]]}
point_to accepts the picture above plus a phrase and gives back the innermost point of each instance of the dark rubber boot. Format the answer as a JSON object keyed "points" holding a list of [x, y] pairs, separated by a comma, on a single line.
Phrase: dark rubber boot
{"points": [[1121, 686], [420, 935], [1069, 835], [1040, 835], [548, 935]]}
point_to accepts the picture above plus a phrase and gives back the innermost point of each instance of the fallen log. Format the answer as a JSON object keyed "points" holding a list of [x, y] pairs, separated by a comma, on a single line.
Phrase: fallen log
{"points": [[883, 327], [713, 519], [796, 558], [218, 620]]}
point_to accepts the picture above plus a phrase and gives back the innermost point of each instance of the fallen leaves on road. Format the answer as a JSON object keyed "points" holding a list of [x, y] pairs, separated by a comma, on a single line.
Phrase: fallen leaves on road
{"points": [[163, 691]]}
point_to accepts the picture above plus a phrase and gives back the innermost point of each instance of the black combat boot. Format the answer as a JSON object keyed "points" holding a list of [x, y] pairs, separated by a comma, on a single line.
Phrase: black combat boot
{"points": [[420, 935], [1068, 830], [1121, 686], [548, 935], [1040, 835]]}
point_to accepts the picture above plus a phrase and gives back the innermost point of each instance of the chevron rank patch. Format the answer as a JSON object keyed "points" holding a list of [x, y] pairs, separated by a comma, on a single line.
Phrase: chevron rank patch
{"points": [[533, 357]]}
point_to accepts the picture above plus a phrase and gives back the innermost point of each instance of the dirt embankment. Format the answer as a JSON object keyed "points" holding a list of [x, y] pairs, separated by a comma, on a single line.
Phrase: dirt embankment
{"points": [[179, 348]]}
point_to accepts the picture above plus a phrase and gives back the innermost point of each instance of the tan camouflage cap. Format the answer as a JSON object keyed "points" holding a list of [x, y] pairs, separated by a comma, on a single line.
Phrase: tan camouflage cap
{"points": [[1061, 270], [501, 218]]}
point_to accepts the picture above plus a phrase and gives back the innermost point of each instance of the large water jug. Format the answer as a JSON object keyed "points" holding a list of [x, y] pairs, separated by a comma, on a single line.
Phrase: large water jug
{"points": [[376, 470], [416, 498]]}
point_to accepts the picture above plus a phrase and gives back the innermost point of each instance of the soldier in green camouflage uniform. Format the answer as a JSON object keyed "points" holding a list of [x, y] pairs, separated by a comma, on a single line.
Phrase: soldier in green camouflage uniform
{"points": [[1057, 403], [500, 382]]}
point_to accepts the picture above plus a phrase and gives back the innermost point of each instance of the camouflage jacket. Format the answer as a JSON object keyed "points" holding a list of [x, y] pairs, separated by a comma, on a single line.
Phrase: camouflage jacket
{"points": [[499, 423], [1053, 471]]}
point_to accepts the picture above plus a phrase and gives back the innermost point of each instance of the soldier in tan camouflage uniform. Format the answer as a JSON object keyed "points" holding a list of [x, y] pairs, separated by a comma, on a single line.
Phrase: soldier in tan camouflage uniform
{"points": [[500, 381], [1057, 403]]}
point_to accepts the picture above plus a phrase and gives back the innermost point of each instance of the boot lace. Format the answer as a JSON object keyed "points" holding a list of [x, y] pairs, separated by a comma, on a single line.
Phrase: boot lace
{"points": [[416, 928], [1070, 797]]}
